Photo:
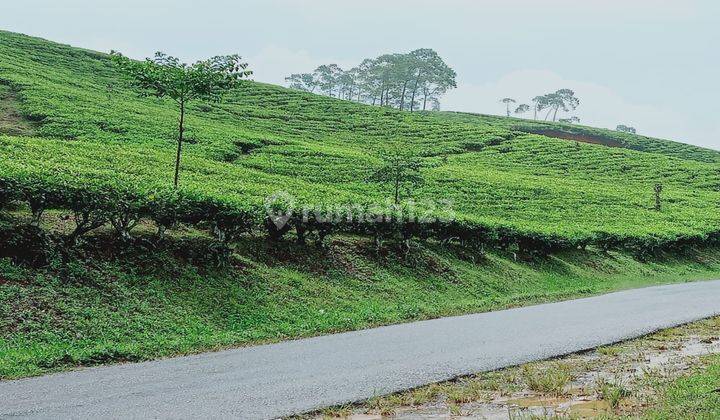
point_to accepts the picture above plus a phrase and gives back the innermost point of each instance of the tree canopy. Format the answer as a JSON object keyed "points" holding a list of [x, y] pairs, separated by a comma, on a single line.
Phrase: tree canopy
{"points": [[562, 100], [522, 108], [569, 120], [166, 76], [626, 129], [400, 171], [412, 81], [507, 102]]}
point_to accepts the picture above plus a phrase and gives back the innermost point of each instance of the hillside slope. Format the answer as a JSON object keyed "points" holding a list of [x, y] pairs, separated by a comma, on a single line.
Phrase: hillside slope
{"points": [[141, 303], [79, 149], [264, 139]]}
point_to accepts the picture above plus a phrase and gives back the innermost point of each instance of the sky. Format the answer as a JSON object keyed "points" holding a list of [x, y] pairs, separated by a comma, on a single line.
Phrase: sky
{"points": [[651, 64]]}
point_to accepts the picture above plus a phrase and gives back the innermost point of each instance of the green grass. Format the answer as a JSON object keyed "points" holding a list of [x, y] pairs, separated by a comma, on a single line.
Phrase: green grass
{"points": [[148, 304], [696, 396], [551, 381]]}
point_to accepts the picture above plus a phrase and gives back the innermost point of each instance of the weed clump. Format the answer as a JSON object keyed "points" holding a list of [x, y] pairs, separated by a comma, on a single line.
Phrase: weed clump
{"points": [[548, 381]]}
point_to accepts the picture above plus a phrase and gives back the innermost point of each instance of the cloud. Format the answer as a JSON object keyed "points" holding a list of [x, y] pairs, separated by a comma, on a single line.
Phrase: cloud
{"points": [[273, 63], [600, 105], [489, 10]]}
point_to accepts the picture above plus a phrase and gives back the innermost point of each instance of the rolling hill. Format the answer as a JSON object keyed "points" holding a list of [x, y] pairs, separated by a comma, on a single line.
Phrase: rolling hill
{"points": [[74, 141], [497, 172]]}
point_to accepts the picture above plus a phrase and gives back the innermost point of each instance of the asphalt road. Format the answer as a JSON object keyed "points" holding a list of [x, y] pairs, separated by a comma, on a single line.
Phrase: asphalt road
{"points": [[299, 376]]}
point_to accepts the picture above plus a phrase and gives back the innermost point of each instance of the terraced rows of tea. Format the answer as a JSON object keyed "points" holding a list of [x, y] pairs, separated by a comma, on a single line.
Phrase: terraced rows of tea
{"points": [[85, 131]]}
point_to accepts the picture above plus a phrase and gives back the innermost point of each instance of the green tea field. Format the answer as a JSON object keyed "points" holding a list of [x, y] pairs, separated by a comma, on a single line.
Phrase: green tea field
{"points": [[518, 211], [81, 129]]}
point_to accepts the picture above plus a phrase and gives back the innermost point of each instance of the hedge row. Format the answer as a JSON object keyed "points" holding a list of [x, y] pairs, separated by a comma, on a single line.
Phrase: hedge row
{"points": [[122, 207]]}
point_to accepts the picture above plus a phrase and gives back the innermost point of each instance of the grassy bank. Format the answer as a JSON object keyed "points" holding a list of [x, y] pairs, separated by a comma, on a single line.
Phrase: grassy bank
{"points": [[695, 396], [144, 302]]}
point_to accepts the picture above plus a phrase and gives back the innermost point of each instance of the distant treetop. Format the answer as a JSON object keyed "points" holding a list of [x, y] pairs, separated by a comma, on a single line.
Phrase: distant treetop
{"points": [[626, 129], [412, 81], [562, 100]]}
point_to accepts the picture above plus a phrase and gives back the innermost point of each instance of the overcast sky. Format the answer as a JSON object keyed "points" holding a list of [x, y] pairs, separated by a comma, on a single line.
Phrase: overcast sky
{"points": [[652, 64]]}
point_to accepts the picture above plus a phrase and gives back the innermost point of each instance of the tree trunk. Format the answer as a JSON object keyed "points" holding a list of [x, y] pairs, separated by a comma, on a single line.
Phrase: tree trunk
{"points": [[658, 200], [397, 190], [402, 98], [548, 114], [555, 113], [300, 230], [535, 117], [425, 92], [180, 142], [412, 98], [160, 235]]}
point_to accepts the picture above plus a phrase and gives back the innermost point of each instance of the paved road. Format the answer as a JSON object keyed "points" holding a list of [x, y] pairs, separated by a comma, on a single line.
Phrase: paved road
{"points": [[298, 376]]}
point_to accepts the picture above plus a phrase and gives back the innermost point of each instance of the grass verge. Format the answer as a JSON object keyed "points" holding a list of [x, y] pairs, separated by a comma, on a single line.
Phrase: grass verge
{"points": [[695, 396], [145, 303], [670, 374]]}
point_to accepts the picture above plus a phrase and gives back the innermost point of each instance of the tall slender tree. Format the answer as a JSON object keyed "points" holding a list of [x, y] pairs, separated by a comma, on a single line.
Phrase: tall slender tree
{"points": [[522, 109], [165, 76], [507, 102], [302, 81], [400, 171], [327, 78], [393, 80], [431, 75], [563, 99], [539, 103]]}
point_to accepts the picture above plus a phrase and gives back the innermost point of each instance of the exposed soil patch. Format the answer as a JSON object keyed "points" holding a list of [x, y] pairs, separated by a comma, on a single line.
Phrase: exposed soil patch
{"points": [[12, 123], [583, 138]]}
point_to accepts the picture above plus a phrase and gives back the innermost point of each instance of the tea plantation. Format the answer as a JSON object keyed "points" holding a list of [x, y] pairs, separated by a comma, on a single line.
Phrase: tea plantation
{"points": [[526, 211], [93, 133]]}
